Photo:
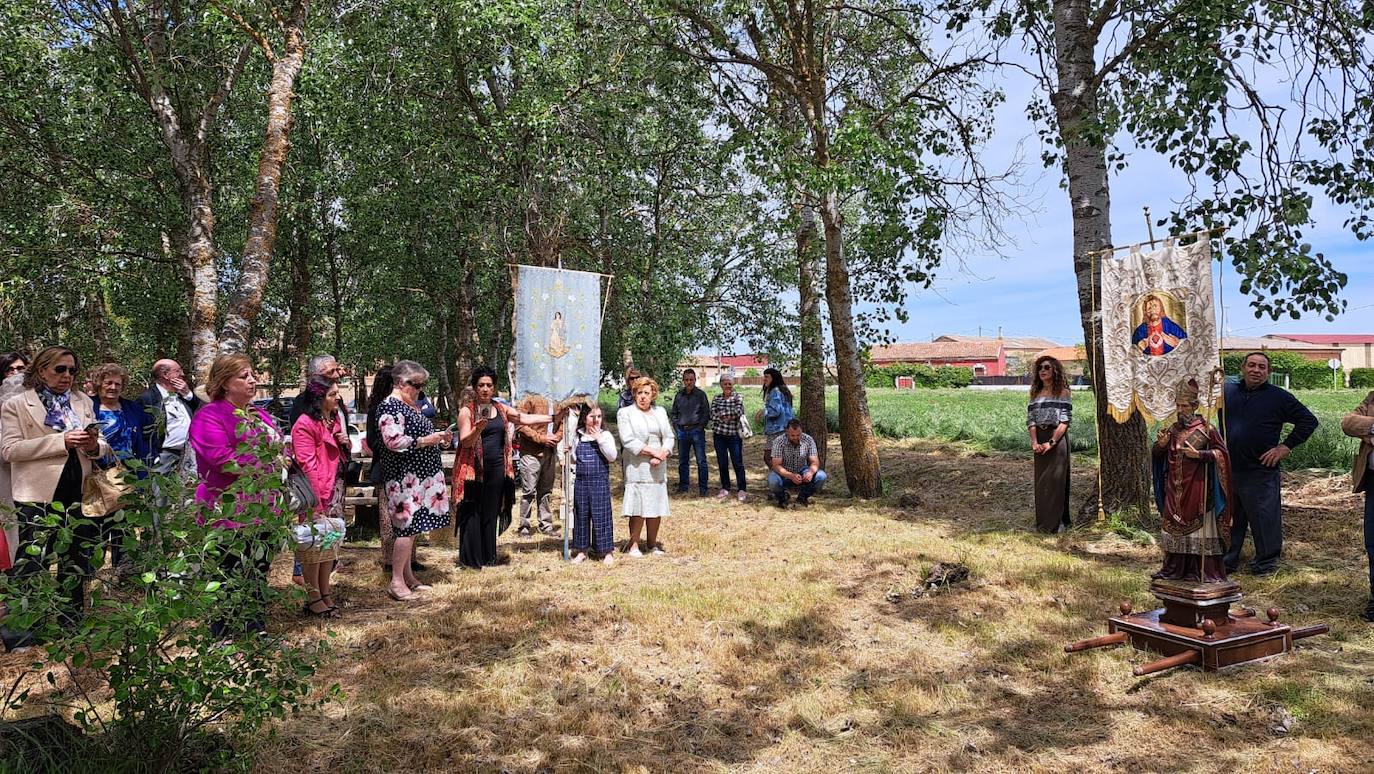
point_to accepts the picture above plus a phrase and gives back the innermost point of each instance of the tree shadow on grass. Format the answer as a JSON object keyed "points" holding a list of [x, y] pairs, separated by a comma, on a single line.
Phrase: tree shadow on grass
{"points": [[485, 680]]}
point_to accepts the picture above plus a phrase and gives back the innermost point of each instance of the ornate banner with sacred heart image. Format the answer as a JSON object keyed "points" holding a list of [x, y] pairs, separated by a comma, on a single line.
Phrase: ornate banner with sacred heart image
{"points": [[1159, 328]]}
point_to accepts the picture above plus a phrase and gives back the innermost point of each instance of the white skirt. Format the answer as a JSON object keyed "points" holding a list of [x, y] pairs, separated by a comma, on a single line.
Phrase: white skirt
{"points": [[648, 499]]}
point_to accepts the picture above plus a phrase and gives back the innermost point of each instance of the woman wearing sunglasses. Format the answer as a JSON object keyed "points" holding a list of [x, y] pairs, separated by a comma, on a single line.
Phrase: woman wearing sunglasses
{"points": [[49, 436], [412, 472], [1047, 421]]}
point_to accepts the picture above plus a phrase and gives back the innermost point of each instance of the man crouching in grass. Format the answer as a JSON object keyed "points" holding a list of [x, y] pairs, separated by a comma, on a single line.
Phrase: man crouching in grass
{"points": [[796, 465]]}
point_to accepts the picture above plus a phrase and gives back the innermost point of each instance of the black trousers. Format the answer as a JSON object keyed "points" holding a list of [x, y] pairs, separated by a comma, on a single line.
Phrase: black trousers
{"points": [[478, 517], [1256, 507], [247, 576], [74, 559]]}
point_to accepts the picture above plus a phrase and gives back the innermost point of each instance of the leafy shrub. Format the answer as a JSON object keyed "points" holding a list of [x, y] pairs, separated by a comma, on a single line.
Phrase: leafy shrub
{"points": [[177, 695], [1362, 378], [925, 376]]}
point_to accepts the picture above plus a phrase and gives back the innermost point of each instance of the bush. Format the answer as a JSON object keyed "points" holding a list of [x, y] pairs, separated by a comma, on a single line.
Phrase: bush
{"points": [[925, 376], [1303, 374], [1362, 378], [176, 692]]}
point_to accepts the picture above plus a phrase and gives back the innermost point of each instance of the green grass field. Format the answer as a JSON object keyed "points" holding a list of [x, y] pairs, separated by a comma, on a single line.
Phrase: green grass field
{"points": [[996, 420]]}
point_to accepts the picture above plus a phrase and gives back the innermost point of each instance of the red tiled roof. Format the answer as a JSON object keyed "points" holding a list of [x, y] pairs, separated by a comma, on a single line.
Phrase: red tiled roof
{"points": [[1008, 342], [1246, 343], [937, 350], [1063, 354], [1334, 339]]}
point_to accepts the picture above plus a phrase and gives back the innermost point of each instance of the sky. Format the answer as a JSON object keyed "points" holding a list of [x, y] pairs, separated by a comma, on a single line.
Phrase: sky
{"points": [[1029, 289]]}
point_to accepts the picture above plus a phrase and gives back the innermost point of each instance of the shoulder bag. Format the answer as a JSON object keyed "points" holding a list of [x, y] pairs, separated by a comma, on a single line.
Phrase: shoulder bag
{"points": [[103, 491]]}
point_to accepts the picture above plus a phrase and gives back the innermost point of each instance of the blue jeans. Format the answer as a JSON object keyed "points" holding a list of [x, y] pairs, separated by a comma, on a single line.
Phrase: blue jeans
{"points": [[687, 440], [730, 452], [777, 484]]}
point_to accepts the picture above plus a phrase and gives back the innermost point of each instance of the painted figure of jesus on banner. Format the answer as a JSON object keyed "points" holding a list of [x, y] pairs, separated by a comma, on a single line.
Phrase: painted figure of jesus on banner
{"points": [[1159, 328]]}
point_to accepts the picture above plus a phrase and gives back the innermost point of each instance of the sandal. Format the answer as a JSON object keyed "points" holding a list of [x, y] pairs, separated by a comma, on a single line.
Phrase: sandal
{"points": [[399, 598], [310, 610], [421, 587]]}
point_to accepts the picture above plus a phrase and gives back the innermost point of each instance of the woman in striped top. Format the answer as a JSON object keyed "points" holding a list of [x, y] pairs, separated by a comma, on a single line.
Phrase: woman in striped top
{"points": [[1047, 422]]}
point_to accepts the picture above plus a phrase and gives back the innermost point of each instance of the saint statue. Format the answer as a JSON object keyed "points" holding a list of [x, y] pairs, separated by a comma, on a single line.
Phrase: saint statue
{"points": [[1157, 335], [558, 337], [1192, 477]]}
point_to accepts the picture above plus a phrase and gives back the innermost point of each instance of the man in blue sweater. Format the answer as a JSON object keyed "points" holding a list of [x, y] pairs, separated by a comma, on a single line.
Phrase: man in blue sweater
{"points": [[1255, 412]]}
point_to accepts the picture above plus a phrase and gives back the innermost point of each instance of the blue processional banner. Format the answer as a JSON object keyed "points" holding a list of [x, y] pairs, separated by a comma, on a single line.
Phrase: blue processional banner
{"points": [[557, 332]]}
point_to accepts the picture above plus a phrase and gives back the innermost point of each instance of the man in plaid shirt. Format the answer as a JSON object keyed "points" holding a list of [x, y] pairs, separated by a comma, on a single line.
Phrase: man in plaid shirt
{"points": [[796, 465]]}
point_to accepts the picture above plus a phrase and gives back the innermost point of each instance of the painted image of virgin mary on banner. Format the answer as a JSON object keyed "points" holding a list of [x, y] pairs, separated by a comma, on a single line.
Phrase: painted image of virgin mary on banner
{"points": [[1156, 334]]}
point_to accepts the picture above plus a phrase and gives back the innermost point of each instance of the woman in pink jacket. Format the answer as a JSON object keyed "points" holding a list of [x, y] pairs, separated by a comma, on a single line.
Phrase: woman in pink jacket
{"points": [[318, 440]]}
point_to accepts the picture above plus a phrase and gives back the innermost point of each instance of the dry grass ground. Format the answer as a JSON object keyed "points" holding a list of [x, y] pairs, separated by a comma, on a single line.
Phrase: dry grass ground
{"points": [[773, 640]]}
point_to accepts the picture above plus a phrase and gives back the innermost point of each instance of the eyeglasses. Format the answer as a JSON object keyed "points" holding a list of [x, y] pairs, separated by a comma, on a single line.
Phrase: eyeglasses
{"points": [[417, 385], [1047, 367], [17, 368], [64, 369]]}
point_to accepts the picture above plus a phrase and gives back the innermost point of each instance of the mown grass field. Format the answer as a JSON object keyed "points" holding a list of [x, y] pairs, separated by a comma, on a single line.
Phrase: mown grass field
{"points": [[995, 420], [792, 641]]}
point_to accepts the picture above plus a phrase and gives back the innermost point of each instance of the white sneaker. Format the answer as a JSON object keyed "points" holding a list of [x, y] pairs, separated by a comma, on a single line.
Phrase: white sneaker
{"points": [[635, 552], [742, 496], [657, 550], [579, 559], [608, 559], [724, 495]]}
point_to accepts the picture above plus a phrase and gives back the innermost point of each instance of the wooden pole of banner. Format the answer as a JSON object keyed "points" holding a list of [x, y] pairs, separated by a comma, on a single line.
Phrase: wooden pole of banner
{"points": [[1099, 378]]}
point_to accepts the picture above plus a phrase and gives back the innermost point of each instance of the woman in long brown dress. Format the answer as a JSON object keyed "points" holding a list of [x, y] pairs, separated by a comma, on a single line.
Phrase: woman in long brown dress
{"points": [[1047, 422]]}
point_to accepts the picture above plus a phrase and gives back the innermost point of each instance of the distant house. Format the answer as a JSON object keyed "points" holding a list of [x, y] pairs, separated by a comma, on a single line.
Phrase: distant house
{"points": [[985, 357], [1319, 353], [1074, 359], [1020, 350], [710, 367], [1357, 349]]}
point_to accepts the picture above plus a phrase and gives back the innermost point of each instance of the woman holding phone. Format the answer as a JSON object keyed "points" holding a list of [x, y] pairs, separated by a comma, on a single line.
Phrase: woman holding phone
{"points": [[483, 466], [50, 437], [412, 472]]}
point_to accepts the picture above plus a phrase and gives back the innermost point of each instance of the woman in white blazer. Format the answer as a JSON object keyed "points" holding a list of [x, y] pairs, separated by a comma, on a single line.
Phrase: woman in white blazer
{"points": [[648, 439], [47, 437]]}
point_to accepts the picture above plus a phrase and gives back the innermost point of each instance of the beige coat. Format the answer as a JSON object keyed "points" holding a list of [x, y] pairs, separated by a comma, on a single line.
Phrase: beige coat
{"points": [[37, 453], [1358, 424]]}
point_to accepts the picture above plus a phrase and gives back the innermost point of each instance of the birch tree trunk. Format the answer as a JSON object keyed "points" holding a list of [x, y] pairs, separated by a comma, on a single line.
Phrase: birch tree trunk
{"points": [[262, 216], [1121, 446], [862, 472], [812, 340]]}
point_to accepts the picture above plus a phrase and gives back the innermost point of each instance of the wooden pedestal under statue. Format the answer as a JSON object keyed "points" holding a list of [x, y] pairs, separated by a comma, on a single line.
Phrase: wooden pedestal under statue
{"points": [[1198, 626]]}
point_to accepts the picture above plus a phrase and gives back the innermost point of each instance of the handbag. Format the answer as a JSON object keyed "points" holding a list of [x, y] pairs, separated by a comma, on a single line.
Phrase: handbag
{"points": [[103, 491], [745, 431], [298, 494], [323, 533]]}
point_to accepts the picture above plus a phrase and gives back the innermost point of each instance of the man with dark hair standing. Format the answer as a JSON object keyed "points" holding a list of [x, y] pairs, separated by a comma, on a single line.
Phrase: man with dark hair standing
{"points": [[1255, 412], [689, 415]]}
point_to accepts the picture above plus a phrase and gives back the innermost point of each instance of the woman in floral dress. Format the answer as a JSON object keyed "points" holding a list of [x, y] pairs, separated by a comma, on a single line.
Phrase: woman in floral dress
{"points": [[412, 472]]}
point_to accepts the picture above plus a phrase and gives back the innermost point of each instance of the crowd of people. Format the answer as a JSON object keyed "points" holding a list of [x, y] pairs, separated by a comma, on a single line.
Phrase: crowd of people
{"points": [[55, 435], [57, 431]]}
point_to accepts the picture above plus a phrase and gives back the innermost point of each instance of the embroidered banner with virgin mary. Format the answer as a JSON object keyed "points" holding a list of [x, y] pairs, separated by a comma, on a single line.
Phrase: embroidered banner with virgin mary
{"points": [[1158, 327], [557, 332]]}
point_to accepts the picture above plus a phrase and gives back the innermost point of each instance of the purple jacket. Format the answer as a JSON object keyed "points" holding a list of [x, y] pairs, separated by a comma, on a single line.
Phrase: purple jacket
{"points": [[215, 436]]}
